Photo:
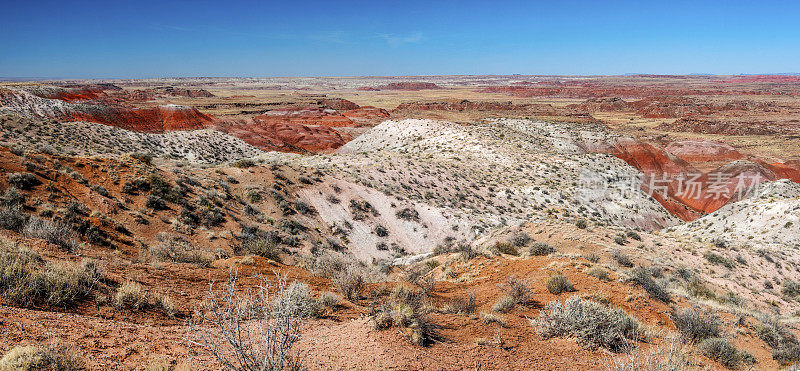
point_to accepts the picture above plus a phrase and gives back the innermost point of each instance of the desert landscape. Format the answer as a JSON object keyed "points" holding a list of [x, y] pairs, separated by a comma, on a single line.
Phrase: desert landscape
{"points": [[637, 222]]}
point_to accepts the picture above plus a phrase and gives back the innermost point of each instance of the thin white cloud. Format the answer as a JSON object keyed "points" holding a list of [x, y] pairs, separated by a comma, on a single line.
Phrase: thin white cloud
{"points": [[395, 40]]}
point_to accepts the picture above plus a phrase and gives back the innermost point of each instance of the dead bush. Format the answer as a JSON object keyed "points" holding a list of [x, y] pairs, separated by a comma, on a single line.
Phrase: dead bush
{"points": [[696, 324], [242, 331], [55, 232]]}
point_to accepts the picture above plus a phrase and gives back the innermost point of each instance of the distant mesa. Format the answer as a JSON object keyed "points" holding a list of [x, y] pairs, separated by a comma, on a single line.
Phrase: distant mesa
{"points": [[410, 86]]}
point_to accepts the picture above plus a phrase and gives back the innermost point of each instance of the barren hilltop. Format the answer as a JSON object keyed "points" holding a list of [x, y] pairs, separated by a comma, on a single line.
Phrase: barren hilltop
{"points": [[638, 222]]}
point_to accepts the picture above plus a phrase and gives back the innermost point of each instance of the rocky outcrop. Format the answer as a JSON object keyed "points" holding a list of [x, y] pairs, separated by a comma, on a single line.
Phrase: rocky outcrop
{"points": [[286, 136], [146, 120]]}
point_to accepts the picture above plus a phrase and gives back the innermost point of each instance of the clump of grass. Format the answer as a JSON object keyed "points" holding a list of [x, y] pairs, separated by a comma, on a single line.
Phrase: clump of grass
{"points": [[559, 283], [598, 272], [593, 324], [461, 305], [131, 295], [172, 248], [52, 356], [26, 279], [696, 325], [489, 318], [541, 249]]}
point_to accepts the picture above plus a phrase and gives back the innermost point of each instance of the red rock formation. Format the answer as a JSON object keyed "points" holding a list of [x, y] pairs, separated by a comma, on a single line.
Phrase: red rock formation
{"points": [[366, 113], [710, 126], [703, 151], [287, 136], [306, 116], [338, 104], [149, 120]]}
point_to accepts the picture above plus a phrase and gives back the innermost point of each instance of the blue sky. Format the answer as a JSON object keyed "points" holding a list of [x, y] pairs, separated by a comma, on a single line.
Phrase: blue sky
{"points": [[132, 39]]}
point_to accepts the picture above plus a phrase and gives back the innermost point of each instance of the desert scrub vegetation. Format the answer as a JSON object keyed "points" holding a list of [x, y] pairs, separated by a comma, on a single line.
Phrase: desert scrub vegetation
{"points": [[27, 280], [262, 243], [405, 310], [349, 282], [696, 324], [670, 355], [461, 305], [784, 343], [517, 293], [24, 181], [599, 273], [643, 278], [558, 283], [592, 323], [297, 300], [266, 343], [56, 232], [621, 258], [50, 356], [176, 249], [722, 351], [541, 249], [132, 295]]}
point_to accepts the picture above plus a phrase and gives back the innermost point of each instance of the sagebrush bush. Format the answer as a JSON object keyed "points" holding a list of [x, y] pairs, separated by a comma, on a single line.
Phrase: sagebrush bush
{"points": [[642, 278], [593, 324], [540, 249], [722, 351], [13, 219], [599, 273], [559, 283], [621, 258], [412, 322], [297, 300], [520, 239], [261, 243], [696, 324]]}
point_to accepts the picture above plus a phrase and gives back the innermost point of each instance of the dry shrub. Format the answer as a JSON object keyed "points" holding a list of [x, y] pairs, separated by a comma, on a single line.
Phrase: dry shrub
{"points": [[242, 330], [668, 356], [52, 356], [55, 232], [559, 283], [349, 282], [722, 351], [131, 295], [541, 249], [696, 324], [172, 248], [412, 322], [642, 277], [593, 324], [26, 279]]}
